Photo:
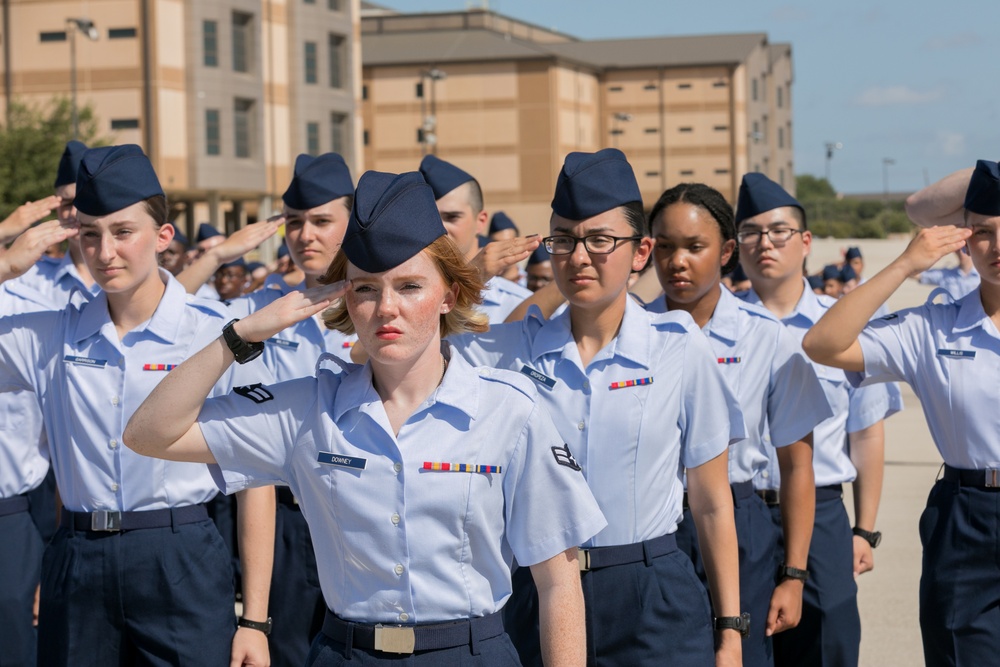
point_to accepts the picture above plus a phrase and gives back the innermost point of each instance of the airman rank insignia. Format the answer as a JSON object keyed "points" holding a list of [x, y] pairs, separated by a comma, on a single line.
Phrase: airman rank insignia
{"points": [[565, 458], [257, 393]]}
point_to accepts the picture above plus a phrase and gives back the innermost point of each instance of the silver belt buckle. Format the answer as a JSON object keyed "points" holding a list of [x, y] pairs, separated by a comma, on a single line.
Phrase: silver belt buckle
{"points": [[992, 478], [583, 558], [394, 639], [106, 521]]}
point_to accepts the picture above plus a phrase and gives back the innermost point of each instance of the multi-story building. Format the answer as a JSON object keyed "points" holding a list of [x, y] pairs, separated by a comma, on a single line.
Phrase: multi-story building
{"points": [[507, 100], [221, 95]]}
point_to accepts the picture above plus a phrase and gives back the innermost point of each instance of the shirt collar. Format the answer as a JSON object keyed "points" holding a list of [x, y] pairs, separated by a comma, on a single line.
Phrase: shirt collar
{"points": [[725, 320], [971, 314], [633, 341], [165, 323], [810, 306]]}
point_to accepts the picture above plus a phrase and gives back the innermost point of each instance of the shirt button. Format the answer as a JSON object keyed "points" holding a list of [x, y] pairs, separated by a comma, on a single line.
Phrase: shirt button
{"points": [[121, 363], [765, 474], [114, 400], [112, 443], [581, 426], [586, 385], [395, 519], [114, 487], [397, 466], [399, 570], [404, 616]]}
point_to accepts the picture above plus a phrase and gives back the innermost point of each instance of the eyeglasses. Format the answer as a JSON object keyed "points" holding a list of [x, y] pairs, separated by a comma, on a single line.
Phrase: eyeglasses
{"points": [[595, 244], [778, 237]]}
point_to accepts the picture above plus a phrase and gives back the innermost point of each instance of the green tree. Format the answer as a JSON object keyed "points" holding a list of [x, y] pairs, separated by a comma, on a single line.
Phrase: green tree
{"points": [[31, 143], [809, 187]]}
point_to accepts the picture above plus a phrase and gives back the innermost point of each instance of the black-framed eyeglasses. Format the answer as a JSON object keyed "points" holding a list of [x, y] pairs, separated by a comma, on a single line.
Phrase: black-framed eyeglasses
{"points": [[778, 237], [595, 244]]}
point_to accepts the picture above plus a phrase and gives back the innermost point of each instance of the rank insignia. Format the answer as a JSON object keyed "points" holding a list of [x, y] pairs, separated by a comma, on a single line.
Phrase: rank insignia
{"points": [[257, 393], [565, 458]]}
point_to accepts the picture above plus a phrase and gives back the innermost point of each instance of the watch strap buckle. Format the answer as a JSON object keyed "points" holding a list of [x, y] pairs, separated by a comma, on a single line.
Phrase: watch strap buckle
{"points": [[106, 521], [394, 639]]}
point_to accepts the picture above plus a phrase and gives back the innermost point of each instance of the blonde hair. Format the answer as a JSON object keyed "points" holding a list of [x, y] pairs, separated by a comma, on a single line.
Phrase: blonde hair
{"points": [[452, 267]]}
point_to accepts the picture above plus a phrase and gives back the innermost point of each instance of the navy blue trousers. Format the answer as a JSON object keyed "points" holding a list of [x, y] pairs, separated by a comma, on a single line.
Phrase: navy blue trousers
{"points": [[296, 603], [829, 634], [21, 564], [757, 537], [960, 579], [43, 507], [494, 652], [159, 597], [654, 613]]}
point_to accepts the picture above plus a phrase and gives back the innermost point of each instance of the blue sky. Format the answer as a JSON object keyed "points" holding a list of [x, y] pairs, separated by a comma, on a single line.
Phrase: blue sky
{"points": [[914, 81]]}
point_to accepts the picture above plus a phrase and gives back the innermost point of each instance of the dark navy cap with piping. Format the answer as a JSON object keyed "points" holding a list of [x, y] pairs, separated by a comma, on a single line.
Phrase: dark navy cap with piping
{"points": [[318, 180], [180, 237], [852, 252], [539, 255], [983, 195], [591, 183], [69, 163], [442, 176], [501, 221], [815, 282], [832, 272], [111, 178], [759, 194], [394, 218], [206, 231]]}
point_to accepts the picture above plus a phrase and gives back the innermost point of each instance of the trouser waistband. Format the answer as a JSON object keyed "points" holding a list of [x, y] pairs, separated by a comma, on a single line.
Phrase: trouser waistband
{"points": [[107, 521], [14, 505], [623, 554], [412, 638], [987, 478], [770, 496], [286, 497], [740, 490], [831, 492]]}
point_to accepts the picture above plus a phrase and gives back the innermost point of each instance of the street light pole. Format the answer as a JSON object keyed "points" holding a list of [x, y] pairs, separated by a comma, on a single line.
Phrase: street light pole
{"points": [[886, 162], [831, 146], [87, 27], [429, 121]]}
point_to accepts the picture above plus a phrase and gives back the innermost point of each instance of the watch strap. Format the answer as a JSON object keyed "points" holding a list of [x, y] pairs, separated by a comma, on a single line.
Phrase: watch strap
{"points": [[874, 538], [739, 623], [786, 572], [243, 350], [261, 626]]}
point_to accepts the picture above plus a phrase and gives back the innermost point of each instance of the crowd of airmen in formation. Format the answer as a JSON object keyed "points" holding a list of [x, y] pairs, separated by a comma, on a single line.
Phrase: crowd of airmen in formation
{"points": [[434, 465]]}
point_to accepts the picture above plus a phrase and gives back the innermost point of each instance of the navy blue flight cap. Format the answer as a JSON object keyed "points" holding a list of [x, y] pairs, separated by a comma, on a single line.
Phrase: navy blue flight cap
{"points": [[443, 177], [847, 274], [318, 180], [852, 252], [238, 262], [501, 221], [69, 163], [591, 183], [538, 256], [483, 241], [253, 266], [111, 178], [738, 275], [983, 195], [832, 272], [759, 194], [206, 231], [180, 237], [282, 250], [394, 218], [815, 282]]}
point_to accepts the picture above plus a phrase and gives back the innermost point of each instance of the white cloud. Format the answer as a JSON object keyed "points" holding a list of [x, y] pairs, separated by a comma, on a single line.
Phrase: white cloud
{"points": [[883, 96], [951, 143], [954, 41]]}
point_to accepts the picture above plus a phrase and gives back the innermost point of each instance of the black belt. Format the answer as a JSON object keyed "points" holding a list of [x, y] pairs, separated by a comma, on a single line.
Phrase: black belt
{"points": [[831, 492], [740, 490], [770, 497], [988, 478], [412, 638], [286, 497], [623, 554], [14, 505], [107, 521]]}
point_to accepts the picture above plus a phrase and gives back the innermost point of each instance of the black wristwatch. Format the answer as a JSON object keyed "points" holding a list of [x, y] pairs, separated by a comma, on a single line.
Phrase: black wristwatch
{"points": [[739, 623], [262, 626], [872, 538], [244, 351], [785, 572]]}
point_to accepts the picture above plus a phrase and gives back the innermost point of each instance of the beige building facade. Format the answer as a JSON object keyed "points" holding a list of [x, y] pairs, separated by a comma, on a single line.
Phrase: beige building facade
{"points": [[221, 95], [507, 100]]}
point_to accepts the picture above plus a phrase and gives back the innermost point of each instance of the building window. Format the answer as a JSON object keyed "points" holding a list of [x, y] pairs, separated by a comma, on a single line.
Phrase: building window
{"points": [[652, 174], [333, 5], [780, 96], [365, 137], [687, 172], [243, 127], [242, 41], [651, 130], [753, 89], [312, 138], [337, 60], [210, 43], [420, 90], [781, 137], [719, 84], [364, 92], [338, 132], [53, 36], [614, 89], [649, 86], [121, 33], [721, 171], [124, 123], [213, 135], [781, 175], [683, 86], [685, 129], [310, 62], [420, 135], [721, 128]]}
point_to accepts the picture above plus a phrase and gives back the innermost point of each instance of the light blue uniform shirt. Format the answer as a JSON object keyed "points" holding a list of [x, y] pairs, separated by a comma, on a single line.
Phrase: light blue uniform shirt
{"points": [[88, 384], [950, 355], [781, 398], [395, 542], [649, 405], [293, 353], [853, 409], [956, 283], [53, 282], [501, 297]]}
